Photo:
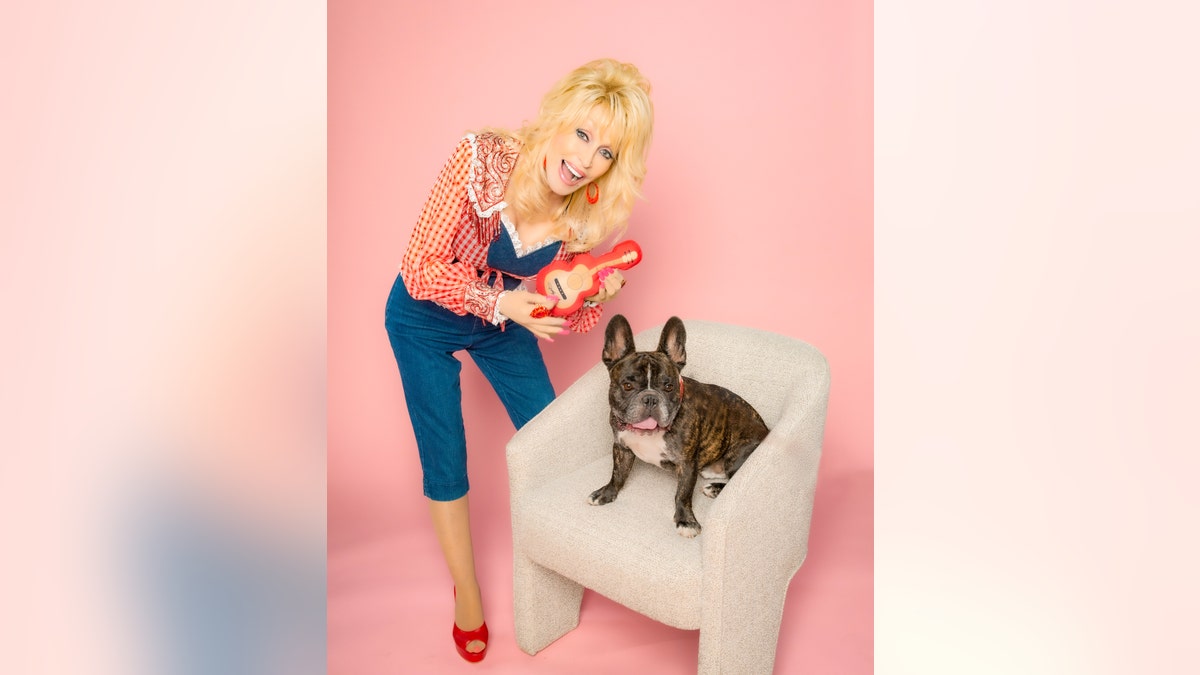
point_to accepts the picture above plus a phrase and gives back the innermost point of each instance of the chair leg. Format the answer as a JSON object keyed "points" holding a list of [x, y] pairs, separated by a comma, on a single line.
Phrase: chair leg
{"points": [[745, 647], [545, 604]]}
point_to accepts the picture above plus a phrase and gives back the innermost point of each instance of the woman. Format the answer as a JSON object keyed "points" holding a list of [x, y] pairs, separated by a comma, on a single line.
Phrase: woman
{"points": [[505, 205]]}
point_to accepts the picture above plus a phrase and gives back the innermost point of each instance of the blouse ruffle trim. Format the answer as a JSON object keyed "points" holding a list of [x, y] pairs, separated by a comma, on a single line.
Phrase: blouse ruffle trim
{"points": [[519, 247], [486, 185]]}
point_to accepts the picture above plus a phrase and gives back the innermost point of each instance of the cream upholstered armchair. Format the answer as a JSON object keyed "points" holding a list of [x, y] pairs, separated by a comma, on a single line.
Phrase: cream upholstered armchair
{"points": [[730, 582]]}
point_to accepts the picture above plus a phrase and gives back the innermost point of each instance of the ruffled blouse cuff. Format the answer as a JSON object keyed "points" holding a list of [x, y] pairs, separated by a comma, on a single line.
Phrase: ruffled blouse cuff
{"points": [[482, 300]]}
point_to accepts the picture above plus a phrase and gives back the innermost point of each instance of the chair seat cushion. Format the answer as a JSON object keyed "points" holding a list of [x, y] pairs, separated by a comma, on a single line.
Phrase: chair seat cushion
{"points": [[626, 550]]}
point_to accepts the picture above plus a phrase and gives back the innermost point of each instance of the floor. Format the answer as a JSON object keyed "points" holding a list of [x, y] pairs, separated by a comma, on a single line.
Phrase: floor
{"points": [[390, 607]]}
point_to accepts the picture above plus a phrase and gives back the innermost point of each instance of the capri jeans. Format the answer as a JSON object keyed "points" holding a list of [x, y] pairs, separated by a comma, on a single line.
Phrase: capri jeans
{"points": [[424, 337]]}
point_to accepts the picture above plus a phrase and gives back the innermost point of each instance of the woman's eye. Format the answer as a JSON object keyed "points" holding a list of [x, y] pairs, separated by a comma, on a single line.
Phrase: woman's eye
{"points": [[606, 154], [581, 134]]}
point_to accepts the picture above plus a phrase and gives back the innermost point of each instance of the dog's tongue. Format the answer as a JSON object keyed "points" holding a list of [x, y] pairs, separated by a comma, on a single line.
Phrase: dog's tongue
{"points": [[648, 423]]}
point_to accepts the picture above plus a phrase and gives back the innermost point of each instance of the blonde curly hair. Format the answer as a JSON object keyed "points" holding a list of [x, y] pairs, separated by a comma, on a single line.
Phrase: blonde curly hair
{"points": [[619, 95]]}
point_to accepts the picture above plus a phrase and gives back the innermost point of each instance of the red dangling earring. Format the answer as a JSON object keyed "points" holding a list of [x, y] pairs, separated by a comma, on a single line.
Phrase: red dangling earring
{"points": [[592, 198]]}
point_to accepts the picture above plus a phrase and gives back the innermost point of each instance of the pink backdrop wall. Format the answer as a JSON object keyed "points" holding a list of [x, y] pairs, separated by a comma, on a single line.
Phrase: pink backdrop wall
{"points": [[164, 197], [758, 211]]}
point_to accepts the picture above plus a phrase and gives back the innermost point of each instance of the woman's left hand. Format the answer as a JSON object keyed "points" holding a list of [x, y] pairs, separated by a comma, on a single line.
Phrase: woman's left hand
{"points": [[609, 287]]}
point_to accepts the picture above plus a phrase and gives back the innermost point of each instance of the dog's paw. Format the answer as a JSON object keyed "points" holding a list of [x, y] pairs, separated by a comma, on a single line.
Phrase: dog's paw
{"points": [[687, 529], [602, 496], [713, 489]]}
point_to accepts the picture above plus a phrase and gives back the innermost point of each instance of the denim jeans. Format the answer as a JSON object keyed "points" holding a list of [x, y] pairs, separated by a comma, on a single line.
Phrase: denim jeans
{"points": [[425, 336]]}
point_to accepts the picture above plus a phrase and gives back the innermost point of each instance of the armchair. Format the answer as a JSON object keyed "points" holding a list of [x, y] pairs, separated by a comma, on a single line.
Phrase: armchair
{"points": [[731, 581]]}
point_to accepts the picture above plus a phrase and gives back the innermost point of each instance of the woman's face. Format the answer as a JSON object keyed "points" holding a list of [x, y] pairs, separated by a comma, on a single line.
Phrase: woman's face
{"points": [[578, 155]]}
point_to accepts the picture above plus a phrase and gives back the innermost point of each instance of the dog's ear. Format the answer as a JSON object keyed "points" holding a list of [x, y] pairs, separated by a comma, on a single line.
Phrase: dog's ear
{"points": [[671, 341], [618, 340]]}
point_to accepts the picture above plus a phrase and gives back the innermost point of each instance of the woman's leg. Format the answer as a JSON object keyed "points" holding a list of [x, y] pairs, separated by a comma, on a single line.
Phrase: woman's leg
{"points": [[512, 362], [424, 338], [452, 522]]}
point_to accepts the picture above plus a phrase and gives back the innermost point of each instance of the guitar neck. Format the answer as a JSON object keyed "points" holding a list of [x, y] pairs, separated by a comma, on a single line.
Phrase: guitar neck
{"points": [[623, 260], [603, 265]]}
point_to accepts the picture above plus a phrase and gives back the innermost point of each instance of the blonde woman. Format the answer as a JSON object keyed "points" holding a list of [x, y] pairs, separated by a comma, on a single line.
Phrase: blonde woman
{"points": [[505, 205]]}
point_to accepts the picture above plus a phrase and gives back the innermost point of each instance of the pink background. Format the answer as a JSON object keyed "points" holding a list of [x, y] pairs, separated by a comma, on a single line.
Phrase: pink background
{"points": [[1035, 240], [758, 212]]}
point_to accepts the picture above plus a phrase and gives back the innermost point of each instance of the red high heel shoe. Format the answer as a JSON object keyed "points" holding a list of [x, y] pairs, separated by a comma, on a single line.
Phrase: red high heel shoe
{"points": [[462, 637]]}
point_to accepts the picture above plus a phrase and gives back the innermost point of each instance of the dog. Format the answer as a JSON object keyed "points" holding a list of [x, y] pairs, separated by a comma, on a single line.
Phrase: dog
{"points": [[696, 430]]}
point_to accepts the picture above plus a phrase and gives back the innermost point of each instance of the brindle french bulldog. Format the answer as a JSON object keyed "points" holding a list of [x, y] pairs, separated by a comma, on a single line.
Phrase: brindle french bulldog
{"points": [[661, 417]]}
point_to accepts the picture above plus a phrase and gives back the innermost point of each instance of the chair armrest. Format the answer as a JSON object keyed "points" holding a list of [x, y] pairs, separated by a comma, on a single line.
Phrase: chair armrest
{"points": [[761, 519], [756, 536], [570, 432]]}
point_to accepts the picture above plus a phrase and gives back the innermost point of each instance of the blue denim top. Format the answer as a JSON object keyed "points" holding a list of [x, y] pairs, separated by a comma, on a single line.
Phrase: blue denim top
{"points": [[502, 257]]}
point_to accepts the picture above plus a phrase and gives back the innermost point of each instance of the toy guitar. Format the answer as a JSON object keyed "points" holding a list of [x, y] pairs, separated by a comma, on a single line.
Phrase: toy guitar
{"points": [[573, 281]]}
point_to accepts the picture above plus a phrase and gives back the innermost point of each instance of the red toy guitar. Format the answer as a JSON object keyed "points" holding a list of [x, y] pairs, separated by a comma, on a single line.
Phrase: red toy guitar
{"points": [[578, 279]]}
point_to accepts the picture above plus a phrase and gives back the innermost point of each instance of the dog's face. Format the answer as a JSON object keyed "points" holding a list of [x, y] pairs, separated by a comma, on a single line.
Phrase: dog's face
{"points": [[645, 388]]}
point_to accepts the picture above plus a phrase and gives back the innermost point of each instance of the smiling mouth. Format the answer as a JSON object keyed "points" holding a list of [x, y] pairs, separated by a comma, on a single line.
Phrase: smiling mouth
{"points": [[568, 174]]}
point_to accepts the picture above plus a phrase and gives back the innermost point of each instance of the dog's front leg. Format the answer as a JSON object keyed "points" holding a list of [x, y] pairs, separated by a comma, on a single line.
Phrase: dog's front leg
{"points": [[685, 521], [622, 464]]}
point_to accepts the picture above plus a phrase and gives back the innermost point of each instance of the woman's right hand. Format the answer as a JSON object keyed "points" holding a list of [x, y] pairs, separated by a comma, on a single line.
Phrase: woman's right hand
{"points": [[517, 306]]}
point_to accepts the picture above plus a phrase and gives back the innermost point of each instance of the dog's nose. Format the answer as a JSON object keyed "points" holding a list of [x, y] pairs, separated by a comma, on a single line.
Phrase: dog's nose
{"points": [[649, 399]]}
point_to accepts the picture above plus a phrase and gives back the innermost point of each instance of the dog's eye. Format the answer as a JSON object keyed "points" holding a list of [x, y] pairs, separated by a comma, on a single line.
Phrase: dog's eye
{"points": [[627, 386], [670, 386]]}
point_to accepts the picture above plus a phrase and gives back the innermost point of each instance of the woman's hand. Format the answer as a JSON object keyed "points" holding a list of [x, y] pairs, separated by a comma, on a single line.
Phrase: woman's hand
{"points": [[516, 305], [609, 287]]}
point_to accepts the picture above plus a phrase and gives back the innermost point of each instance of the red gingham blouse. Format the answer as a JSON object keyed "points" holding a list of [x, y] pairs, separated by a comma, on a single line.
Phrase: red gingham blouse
{"points": [[461, 218]]}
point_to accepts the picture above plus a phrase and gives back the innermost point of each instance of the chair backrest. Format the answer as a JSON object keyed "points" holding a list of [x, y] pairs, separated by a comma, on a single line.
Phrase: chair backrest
{"points": [[767, 369]]}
